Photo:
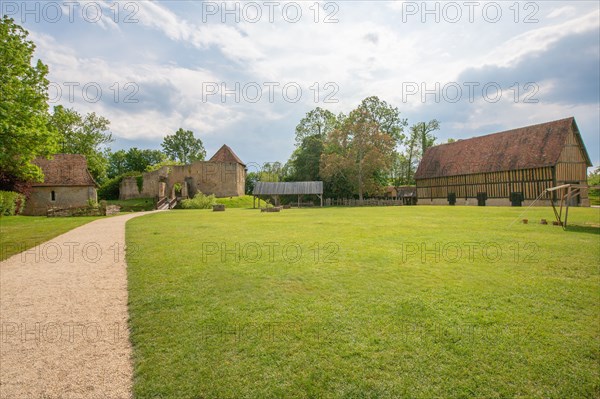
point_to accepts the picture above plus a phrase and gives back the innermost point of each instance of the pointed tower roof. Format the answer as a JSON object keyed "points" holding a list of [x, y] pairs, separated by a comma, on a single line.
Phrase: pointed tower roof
{"points": [[226, 154]]}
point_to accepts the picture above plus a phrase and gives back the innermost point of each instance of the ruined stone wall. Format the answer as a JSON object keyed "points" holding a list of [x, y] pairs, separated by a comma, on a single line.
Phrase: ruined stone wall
{"points": [[223, 179]]}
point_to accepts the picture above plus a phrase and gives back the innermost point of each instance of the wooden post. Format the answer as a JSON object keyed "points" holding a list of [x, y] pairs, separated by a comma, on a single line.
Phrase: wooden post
{"points": [[567, 206]]}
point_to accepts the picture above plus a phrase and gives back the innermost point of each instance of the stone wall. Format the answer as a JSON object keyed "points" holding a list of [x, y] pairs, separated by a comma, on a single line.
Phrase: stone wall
{"points": [[223, 179], [70, 196]]}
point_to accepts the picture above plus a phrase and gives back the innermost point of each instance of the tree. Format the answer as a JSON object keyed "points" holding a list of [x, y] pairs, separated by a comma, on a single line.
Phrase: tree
{"points": [[411, 154], [133, 160], [594, 180], [272, 172], [415, 145], [117, 164], [251, 179], [385, 116], [24, 133], [183, 146], [318, 123], [87, 135], [305, 161], [137, 160], [358, 152], [423, 131]]}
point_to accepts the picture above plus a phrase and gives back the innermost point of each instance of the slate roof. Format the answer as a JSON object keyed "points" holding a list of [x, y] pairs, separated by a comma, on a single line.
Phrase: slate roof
{"points": [[523, 148], [226, 154], [64, 170], [288, 188]]}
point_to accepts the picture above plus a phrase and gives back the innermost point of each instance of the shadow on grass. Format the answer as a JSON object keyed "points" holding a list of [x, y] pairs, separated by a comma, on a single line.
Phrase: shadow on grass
{"points": [[583, 229]]}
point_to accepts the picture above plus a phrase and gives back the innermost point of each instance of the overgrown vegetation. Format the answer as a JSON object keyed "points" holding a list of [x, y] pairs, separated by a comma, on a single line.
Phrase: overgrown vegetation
{"points": [[450, 302], [200, 201], [140, 183], [11, 203]]}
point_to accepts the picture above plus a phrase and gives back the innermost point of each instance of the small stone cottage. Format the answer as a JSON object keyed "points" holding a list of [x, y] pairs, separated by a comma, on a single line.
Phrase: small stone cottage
{"points": [[67, 183]]}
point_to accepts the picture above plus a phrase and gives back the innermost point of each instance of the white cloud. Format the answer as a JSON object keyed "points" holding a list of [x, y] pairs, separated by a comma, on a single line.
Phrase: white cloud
{"points": [[538, 40]]}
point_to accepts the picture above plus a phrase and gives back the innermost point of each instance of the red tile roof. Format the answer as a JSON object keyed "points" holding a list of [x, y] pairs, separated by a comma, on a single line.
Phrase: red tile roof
{"points": [[226, 154], [65, 170], [523, 148]]}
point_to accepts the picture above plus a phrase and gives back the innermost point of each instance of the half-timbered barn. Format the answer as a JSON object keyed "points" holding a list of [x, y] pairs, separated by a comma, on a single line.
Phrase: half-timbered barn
{"points": [[507, 168]]}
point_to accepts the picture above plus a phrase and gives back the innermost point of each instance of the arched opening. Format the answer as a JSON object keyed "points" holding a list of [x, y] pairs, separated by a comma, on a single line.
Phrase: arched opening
{"points": [[53, 195], [179, 190]]}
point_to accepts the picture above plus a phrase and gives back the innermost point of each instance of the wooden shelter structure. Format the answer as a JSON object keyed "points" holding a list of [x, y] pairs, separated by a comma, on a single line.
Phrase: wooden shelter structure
{"points": [[508, 168], [276, 189]]}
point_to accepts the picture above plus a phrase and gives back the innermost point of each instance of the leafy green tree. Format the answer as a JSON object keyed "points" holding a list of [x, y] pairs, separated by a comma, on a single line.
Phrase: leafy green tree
{"points": [[594, 180], [385, 116], [24, 133], [424, 130], [305, 161], [272, 172], [87, 135], [251, 179], [117, 164], [137, 160], [411, 155], [317, 123], [358, 152], [184, 147], [415, 144], [166, 162]]}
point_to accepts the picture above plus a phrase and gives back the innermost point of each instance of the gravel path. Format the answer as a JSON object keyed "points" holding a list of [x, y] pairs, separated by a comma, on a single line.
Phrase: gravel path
{"points": [[63, 317]]}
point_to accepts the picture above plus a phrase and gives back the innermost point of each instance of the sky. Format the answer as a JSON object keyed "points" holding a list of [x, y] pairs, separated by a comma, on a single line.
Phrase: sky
{"points": [[245, 73]]}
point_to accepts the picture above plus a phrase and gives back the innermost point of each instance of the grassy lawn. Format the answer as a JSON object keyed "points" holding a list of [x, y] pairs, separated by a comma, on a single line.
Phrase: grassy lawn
{"points": [[396, 302], [134, 204], [18, 233], [244, 201]]}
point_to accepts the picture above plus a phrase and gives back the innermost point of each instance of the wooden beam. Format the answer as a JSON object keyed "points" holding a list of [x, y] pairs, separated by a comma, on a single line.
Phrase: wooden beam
{"points": [[558, 187]]}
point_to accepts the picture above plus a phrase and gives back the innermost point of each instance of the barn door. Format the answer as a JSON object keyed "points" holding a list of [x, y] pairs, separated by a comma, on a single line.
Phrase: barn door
{"points": [[481, 197]]}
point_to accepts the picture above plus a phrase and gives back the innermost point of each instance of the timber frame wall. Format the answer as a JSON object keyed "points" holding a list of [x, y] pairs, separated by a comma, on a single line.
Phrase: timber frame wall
{"points": [[530, 182]]}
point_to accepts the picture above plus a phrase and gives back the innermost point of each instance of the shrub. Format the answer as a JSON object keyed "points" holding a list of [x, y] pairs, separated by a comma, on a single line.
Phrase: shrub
{"points": [[200, 201], [109, 190], [11, 203]]}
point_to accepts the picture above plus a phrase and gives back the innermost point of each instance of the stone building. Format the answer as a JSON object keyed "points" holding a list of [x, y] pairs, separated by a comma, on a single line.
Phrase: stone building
{"points": [[514, 167], [224, 175], [67, 183]]}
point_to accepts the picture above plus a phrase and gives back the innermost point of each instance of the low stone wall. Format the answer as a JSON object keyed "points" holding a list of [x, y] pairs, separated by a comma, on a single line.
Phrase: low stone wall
{"points": [[83, 211]]}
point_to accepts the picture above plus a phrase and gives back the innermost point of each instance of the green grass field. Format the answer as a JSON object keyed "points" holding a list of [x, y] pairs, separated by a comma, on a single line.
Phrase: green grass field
{"points": [[19, 233], [244, 201], [397, 302]]}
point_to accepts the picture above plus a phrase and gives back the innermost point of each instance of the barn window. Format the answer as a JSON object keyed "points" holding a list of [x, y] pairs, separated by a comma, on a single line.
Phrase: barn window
{"points": [[53, 196]]}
